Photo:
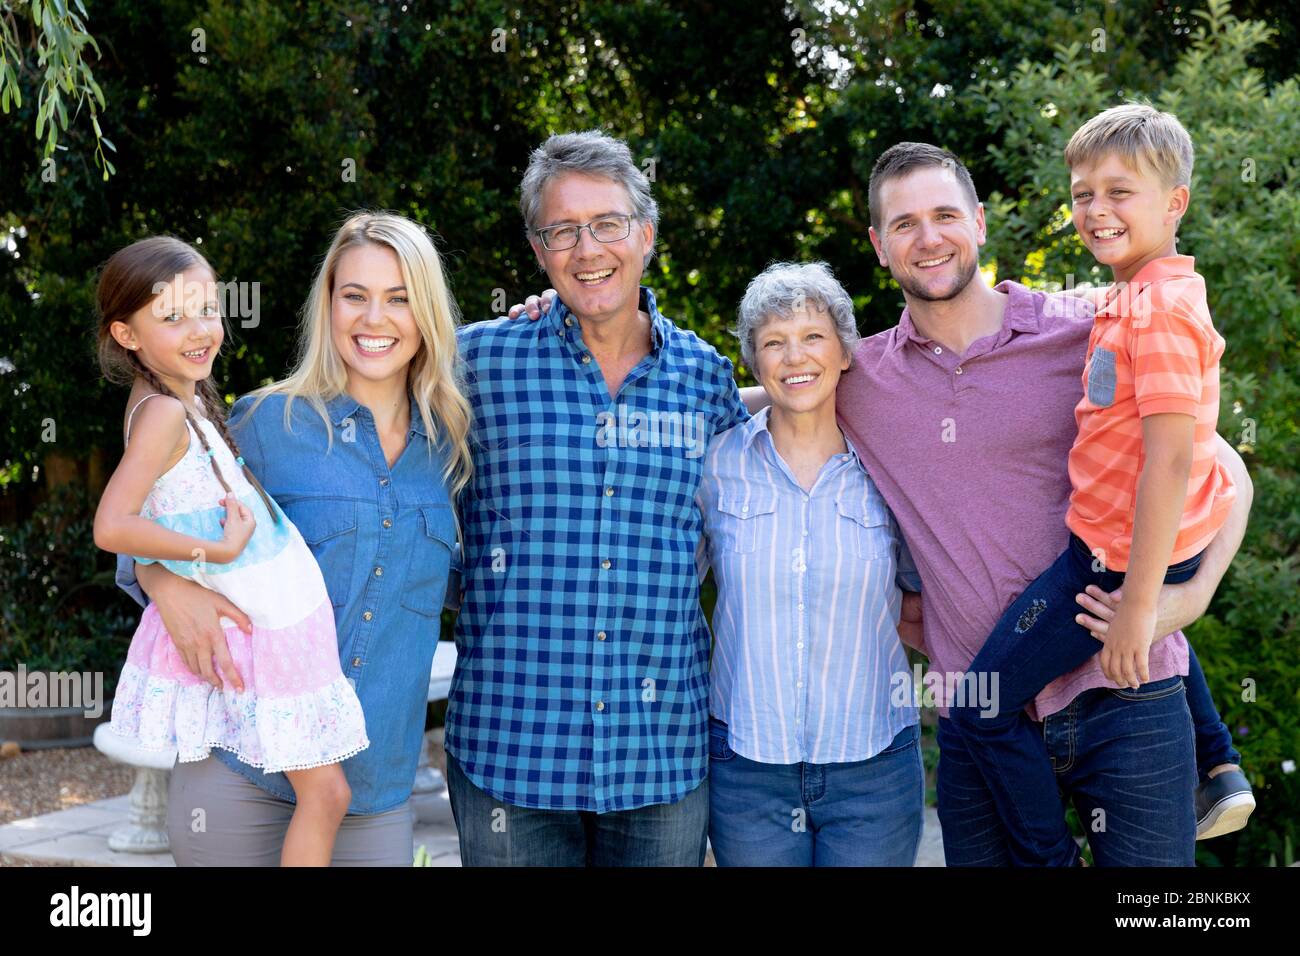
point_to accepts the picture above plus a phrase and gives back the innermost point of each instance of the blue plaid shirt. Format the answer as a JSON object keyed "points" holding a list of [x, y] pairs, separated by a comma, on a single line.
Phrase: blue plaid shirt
{"points": [[583, 672]]}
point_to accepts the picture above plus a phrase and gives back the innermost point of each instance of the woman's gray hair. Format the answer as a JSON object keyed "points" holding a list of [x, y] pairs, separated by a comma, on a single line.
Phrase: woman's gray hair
{"points": [[591, 152], [784, 288]]}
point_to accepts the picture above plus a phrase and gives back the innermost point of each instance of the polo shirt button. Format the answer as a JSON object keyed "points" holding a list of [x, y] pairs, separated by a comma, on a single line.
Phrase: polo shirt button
{"points": [[388, 522], [605, 564], [586, 359], [379, 572], [600, 635], [958, 369], [600, 705], [367, 616], [937, 350]]}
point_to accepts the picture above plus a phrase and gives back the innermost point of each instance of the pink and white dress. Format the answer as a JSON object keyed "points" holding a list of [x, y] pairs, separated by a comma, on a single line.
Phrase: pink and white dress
{"points": [[297, 710]]}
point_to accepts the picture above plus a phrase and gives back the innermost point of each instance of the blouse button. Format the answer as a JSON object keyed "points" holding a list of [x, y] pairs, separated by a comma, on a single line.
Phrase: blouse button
{"points": [[937, 350], [958, 369]]}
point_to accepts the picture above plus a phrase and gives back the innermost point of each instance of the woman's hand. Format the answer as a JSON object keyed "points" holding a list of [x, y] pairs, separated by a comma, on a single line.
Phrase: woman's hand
{"points": [[534, 306], [192, 615], [910, 630]]}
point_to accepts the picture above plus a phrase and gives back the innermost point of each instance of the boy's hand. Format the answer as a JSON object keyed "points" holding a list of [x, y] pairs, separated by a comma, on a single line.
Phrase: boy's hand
{"points": [[1125, 657], [534, 306]]}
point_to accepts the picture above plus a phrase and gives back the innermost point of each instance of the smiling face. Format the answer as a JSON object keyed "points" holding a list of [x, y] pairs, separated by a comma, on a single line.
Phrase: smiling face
{"points": [[930, 235], [371, 323], [596, 280], [1125, 216], [179, 333], [799, 359]]}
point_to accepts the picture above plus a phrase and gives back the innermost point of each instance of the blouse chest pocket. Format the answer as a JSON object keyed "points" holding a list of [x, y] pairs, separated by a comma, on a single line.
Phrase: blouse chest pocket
{"points": [[429, 560], [864, 523], [329, 526], [747, 523]]}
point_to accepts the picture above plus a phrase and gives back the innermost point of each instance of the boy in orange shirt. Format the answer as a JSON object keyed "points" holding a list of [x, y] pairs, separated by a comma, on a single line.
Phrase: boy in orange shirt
{"points": [[1148, 492]]}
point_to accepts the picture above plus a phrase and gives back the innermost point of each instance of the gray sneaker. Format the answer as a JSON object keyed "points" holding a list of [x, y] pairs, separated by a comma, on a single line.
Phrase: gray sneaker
{"points": [[1223, 804]]}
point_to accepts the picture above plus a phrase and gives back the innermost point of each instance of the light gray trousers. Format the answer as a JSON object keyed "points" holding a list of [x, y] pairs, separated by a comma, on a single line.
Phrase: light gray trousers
{"points": [[240, 824]]}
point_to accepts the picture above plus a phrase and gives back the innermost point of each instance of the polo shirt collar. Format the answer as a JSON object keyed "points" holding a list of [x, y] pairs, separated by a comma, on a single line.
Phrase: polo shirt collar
{"points": [[1119, 296], [1020, 315]]}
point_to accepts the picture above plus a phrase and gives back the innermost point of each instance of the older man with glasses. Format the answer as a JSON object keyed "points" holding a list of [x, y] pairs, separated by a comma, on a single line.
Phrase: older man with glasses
{"points": [[578, 719]]}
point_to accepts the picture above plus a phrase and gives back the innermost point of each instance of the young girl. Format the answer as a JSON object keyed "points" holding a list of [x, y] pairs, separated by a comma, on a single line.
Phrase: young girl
{"points": [[182, 496]]}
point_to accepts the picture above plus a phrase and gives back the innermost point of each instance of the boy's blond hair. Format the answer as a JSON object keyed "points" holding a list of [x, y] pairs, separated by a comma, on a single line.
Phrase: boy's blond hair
{"points": [[1142, 136]]}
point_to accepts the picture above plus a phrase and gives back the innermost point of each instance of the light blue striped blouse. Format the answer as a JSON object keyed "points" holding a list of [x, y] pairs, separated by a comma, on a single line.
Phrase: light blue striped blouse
{"points": [[806, 625]]}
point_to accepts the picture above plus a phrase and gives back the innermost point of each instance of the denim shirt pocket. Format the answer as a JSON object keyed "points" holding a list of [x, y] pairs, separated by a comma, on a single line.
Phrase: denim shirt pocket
{"points": [[864, 521], [329, 526], [1101, 377], [747, 521], [429, 561]]}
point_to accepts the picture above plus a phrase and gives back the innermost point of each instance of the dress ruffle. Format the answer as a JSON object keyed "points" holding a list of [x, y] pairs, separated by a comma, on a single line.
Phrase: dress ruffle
{"points": [[307, 730]]}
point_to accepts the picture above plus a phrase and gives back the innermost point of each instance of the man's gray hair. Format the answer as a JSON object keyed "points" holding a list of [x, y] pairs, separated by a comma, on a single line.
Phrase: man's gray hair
{"points": [[784, 288], [591, 152]]}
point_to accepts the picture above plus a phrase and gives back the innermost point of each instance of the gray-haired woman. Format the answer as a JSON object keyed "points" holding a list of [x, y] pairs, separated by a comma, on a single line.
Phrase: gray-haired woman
{"points": [[812, 761]]}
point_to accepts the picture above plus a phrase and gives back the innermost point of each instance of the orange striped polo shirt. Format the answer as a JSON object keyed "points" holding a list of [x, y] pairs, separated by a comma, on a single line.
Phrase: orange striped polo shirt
{"points": [[1153, 349]]}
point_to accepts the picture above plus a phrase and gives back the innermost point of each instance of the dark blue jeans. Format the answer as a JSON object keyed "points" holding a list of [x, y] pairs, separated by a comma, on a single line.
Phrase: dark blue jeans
{"points": [[1123, 757], [1036, 641], [865, 813], [495, 833]]}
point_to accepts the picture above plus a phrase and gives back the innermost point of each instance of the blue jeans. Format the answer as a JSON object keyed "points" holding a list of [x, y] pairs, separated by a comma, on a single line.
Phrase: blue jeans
{"points": [[1125, 759], [1036, 641], [495, 833], [866, 813]]}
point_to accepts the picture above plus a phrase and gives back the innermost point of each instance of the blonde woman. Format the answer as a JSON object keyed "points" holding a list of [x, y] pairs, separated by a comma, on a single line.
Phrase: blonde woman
{"points": [[364, 445]]}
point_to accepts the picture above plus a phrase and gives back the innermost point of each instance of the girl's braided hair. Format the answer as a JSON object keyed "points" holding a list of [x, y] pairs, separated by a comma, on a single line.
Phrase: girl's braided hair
{"points": [[126, 285]]}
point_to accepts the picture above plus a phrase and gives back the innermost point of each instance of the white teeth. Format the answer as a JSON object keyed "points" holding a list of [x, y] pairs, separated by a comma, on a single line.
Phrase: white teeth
{"points": [[1107, 233], [934, 262], [373, 345], [594, 276], [798, 379], [199, 353]]}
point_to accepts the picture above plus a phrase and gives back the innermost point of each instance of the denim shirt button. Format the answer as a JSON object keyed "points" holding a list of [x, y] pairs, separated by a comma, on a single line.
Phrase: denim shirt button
{"points": [[379, 572], [388, 522], [383, 482], [367, 616]]}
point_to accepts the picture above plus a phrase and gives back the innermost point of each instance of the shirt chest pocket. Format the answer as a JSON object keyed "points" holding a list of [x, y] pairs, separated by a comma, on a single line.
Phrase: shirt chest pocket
{"points": [[1101, 377], [429, 560], [329, 526], [863, 526], [747, 523]]}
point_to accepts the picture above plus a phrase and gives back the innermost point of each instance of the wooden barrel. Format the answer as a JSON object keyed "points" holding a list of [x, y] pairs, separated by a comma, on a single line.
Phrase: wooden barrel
{"points": [[42, 728]]}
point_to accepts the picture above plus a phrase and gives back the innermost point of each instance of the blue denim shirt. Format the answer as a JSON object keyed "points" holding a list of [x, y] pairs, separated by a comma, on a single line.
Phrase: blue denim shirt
{"points": [[384, 540]]}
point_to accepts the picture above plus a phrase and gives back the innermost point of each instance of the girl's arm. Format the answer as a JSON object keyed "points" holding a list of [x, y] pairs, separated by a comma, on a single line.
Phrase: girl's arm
{"points": [[158, 429]]}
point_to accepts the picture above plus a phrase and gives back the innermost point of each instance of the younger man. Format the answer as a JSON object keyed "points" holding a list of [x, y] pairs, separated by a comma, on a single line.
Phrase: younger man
{"points": [[1148, 491]]}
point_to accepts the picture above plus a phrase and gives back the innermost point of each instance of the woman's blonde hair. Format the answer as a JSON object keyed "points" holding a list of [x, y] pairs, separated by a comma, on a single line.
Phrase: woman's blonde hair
{"points": [[434, 378]]}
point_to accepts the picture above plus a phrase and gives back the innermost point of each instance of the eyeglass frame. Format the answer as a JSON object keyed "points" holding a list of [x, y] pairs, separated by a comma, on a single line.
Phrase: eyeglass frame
{"points": [[541, 233]]}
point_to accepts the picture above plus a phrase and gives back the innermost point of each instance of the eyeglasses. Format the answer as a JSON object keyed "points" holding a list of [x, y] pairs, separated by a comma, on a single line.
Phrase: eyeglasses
{"points": [[605, 229]]}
